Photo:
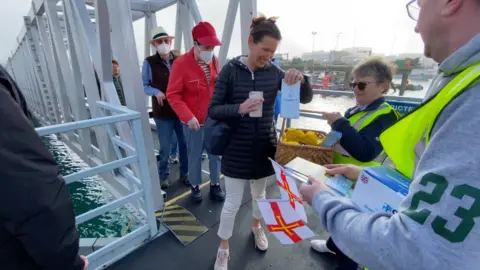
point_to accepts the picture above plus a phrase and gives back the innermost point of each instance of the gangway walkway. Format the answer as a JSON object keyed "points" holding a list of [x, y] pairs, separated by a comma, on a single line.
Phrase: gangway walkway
{"points": [[167, 253]]}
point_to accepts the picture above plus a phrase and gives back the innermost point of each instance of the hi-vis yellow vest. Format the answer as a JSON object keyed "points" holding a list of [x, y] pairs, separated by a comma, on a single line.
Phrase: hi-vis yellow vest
{"points": [[406, 140], [359, 121]]}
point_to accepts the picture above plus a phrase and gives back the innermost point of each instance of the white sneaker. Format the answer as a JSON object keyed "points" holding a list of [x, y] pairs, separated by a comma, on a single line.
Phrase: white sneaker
{"points": [[320, 246], [221, 263], [261, 241]]}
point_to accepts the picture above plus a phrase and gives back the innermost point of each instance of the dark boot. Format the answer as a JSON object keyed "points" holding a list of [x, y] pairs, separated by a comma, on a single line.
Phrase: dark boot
{"points": [[216, 193], [184, 179], [196, 194], [164, 184]]}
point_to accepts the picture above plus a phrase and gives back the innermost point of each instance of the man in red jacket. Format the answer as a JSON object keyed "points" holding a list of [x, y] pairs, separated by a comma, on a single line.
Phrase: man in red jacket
{"points": [[190, 88]]}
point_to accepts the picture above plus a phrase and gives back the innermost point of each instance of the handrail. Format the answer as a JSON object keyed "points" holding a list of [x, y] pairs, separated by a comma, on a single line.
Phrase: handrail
{"points": [[142, 190], [89, 123], [350, 94], [100, 169]]}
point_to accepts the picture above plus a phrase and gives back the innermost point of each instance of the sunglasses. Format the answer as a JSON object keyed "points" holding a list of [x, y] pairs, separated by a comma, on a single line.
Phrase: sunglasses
{"points": [[361, 85]]}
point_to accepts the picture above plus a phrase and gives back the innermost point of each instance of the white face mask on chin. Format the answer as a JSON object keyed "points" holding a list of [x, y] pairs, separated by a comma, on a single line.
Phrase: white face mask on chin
{"points": [[163, 48], [206, 56]]}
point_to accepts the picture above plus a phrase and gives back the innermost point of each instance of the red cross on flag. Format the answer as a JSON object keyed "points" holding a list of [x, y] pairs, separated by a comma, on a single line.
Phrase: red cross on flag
{"points": [[289, 190], [283, 222]]}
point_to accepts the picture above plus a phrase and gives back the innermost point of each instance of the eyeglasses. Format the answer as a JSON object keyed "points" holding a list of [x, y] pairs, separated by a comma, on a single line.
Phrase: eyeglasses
{"points": [[413, 10], [361, 85]]}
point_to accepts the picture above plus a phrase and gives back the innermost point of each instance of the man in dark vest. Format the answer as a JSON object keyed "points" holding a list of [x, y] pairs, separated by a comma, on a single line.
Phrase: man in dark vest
{"points": [[155, 74]]}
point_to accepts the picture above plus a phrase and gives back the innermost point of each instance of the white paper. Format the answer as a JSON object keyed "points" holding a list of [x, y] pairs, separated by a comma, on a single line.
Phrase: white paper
{"points": [[290, 101], [306, 167]]}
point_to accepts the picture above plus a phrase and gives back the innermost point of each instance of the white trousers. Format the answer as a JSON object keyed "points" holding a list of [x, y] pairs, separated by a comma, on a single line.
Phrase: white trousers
{"points": [[234, 194]]}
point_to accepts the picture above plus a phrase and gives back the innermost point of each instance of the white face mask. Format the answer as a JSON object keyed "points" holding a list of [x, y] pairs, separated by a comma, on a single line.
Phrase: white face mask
{"points": [[163, 48], [206, 56]]}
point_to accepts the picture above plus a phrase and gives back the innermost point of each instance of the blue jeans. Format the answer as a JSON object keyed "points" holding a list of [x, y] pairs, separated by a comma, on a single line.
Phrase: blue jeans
{"points": [[196, 145], [174, 146], [165, 130]]}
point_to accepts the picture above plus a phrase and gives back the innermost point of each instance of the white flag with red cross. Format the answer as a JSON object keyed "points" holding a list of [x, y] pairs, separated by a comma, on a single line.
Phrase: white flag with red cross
{"points": [[284, 222], [289, 190]]}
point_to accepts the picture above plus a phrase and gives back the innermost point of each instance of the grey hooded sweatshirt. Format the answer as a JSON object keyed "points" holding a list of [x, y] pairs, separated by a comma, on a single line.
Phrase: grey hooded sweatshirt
{"points": [[449, 236]]}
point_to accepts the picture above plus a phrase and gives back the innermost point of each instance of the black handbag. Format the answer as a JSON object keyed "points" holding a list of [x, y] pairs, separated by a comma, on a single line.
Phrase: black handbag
{"points": [[217, 133]]}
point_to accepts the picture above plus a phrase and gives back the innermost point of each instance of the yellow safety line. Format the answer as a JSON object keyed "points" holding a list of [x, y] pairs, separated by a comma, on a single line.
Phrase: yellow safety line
{"points": [[186, 193], [170, 212], [188, 228], [189, 218], [173, 207]]}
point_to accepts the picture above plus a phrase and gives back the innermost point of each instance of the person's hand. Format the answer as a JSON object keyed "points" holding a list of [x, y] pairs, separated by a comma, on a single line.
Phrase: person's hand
{"points": [[85, 261], [193, 124], [160, 97], [292, 76], [351, 172], [331, 117], [250, 105], [309, 191]]}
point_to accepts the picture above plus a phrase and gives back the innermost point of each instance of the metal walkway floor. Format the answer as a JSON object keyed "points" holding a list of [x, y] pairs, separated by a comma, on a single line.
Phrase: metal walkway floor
{"points": [[167, 253]]}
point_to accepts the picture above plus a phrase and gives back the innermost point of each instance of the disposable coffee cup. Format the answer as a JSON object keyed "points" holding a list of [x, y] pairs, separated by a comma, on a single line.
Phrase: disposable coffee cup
{"points": [[258, 112]]}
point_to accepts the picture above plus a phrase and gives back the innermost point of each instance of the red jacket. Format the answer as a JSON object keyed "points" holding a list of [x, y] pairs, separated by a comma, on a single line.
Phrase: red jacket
{"points": [[188, 91]]}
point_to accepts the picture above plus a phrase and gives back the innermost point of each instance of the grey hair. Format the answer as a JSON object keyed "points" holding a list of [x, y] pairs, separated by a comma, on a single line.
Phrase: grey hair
{"points": [[377, 67]]}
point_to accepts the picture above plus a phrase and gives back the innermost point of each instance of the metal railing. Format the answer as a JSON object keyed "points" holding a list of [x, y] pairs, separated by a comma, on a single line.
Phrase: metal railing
{"points": [[136, 157], [408, 102]]}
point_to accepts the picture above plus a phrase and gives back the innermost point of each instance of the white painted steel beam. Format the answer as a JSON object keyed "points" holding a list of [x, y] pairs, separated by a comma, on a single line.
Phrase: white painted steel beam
{"points": [[246, 16], [106, 79], [150, 24], [187, 26], [79, 25], [228, 30], [178, 28], [42, 72], [123, 35], [65, 71], [193, 9], [38, 73], [60, 95], [29, 78], [84, 139]]}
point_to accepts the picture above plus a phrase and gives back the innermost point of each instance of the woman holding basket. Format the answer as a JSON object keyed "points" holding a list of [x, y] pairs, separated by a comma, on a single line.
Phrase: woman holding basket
{"points": [[360, 127], [244, 97]]}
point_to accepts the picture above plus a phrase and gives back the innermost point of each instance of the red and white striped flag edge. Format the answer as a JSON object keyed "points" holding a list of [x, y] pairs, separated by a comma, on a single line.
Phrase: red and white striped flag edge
{"points": [[289, 190], [284, 222]]}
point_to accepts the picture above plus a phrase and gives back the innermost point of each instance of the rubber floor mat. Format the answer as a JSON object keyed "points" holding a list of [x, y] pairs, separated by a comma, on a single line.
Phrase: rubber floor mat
{"points": [[183, 224]]}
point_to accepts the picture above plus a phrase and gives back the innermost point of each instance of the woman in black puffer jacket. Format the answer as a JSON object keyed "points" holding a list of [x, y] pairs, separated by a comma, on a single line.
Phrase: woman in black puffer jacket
{"points": [[252, 139]]}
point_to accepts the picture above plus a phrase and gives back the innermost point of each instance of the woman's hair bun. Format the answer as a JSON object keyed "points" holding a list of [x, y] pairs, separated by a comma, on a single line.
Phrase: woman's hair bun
{"points": [[262, 18]]}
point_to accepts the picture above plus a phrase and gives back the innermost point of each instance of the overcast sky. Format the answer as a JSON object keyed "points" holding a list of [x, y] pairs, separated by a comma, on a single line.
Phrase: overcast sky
{"points": [[380, 24]]}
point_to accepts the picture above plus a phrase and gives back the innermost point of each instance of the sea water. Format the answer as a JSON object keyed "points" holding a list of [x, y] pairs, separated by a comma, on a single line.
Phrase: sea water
{"points": [[88, 194]]}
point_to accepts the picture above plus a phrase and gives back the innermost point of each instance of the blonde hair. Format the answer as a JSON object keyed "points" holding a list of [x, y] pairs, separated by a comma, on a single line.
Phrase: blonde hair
{"points": [[377, 67]]}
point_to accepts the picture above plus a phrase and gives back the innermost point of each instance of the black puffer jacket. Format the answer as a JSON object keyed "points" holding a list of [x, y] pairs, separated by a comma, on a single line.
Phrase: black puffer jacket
{"points": [[252, 140], [37, 222]]}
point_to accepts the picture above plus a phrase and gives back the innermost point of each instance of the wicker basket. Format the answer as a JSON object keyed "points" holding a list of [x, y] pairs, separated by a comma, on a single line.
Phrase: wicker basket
{"points": [[316, 154]]}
